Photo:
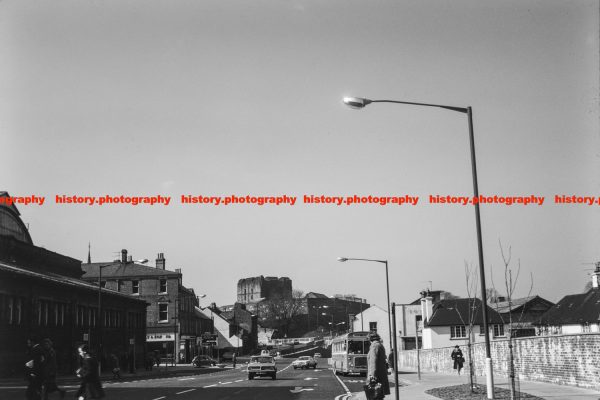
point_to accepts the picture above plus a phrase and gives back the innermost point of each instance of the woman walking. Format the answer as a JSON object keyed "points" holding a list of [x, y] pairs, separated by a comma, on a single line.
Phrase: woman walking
{"points": [[88, 372], [458, 358]]}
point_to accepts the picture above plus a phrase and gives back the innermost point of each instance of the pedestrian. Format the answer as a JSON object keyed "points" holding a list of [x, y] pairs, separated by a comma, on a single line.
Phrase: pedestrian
{"points": [[114, 364], [376, 363], [149, 361], [233, 358], [458, 358], [88, 372], [34, 369], [50, 369], [391, 359]]}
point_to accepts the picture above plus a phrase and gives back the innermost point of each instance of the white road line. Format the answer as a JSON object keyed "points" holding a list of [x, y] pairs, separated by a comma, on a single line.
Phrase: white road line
{"points": [[225, 383], [240, 380], [185, 379], [348, 392], [185, 391], [209, 386], [159, 398]]}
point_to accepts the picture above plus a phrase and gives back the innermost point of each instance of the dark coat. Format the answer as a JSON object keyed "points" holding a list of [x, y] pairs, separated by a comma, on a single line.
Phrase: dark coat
{"points": [[376, 362], [458, 358]]}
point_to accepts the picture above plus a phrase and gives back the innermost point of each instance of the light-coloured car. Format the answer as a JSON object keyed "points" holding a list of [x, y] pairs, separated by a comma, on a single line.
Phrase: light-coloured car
{"points": [[304, 362], [262, 366]]}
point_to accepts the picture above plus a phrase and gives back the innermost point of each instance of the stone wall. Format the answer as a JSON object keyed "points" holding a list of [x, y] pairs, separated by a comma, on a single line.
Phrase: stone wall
{"points": [[563, 359]]}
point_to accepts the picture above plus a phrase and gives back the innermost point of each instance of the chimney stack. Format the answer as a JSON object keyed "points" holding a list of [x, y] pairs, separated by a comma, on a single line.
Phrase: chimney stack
{"points": [[160, 261], [124, 256], [595, 276]]}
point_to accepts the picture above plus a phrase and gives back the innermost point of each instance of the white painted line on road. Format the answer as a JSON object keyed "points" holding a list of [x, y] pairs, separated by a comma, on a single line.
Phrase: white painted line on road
{"points": [[309, 379], [209, 386], [185, 379], [348, 392], [159, 398], [185, 391], [240, 380]]}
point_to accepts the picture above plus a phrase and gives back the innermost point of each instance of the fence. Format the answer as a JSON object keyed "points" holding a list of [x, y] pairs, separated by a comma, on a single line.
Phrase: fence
{"points": [[561, 359]]}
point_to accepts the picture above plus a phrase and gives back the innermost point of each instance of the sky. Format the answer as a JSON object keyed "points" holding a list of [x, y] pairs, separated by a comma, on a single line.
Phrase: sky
{"points": [[222, 98]]}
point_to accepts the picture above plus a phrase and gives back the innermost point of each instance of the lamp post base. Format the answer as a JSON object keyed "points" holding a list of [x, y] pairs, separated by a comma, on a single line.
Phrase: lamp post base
{"points": [[489, 378]]}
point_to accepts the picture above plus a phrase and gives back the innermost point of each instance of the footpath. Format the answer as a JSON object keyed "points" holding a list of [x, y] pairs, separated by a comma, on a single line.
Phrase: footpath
{"points": [[140, 374], [414, 389]]}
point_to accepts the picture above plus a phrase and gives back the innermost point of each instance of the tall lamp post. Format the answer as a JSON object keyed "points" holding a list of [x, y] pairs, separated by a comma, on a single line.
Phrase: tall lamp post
{"points": [[99, 316], [358, 103], [387, 284]]}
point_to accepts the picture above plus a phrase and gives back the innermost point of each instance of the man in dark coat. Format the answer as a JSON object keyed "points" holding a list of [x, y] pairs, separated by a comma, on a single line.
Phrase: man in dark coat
{"points": [[376, 363]]}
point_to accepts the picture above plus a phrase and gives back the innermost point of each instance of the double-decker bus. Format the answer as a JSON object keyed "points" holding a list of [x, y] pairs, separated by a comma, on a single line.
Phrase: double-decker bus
{"points": [[349, 353]]}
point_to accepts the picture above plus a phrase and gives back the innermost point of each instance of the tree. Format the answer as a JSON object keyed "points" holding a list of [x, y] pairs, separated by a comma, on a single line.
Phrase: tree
{"points": [[279, 313], [510, 284]]}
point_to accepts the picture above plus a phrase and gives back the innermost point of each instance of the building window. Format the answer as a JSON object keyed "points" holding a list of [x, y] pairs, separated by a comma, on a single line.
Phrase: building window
{"points": [[498, 330], [163, 312], [162, 286], [458, 331], [119, 285], [135, 287], [373, 327]]}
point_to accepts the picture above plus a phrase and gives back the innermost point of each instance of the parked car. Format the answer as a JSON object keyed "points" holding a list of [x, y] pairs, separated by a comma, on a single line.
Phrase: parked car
{"points": [[304, 362], [262, 366], [317, 355], [204, 361], [228, 355]]}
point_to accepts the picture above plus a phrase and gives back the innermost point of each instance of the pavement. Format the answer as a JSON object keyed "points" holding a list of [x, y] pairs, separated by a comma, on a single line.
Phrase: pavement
{"points": [[414, 389]]}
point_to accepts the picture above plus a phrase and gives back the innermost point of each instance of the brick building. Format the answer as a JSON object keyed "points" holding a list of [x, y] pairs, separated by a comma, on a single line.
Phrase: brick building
{"points": [[173, 328], [42, 296]]}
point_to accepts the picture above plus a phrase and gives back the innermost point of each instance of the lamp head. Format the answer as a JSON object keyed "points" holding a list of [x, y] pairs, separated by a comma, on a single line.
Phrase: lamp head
{"points": [[342, 259], [356, 102]]}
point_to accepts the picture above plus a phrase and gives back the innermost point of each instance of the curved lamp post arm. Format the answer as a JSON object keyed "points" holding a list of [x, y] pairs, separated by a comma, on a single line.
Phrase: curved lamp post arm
{"points": [[360, 102]]}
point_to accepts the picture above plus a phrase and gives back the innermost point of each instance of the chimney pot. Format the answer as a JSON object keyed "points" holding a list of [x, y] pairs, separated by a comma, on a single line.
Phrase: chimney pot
{"points": [[161, 261], [124, 256]]}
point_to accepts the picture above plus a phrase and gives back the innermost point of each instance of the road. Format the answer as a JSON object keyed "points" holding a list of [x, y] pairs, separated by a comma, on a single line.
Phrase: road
{"points": [[311, 384]]}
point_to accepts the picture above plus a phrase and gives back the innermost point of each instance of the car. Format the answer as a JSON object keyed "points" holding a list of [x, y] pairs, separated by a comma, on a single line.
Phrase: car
{"points": [[262, 366], [228, 355], [203, 361], [304, 362], [317, 355]]}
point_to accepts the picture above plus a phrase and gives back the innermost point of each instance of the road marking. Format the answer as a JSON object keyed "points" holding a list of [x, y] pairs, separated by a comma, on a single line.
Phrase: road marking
{"points": [[209, 386], [225, 383], [185, 391], [185, 379], [240, 380], [159, 398], [348, 392], [309, 379], [299, 389], [342, 397]]}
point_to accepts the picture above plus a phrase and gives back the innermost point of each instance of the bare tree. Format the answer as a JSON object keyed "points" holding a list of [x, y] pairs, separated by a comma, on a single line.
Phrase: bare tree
{"points": [[510, 284], [279, 313], [468, 320]]}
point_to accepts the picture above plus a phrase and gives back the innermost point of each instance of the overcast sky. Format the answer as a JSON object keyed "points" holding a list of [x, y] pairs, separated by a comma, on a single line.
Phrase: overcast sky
{"points": [[222, 98]]}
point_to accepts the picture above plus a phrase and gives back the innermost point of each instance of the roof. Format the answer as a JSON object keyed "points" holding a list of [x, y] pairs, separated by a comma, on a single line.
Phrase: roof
{"points": [[61, 279], [314, 295], [117, 269], [574, 309], [456, 312], [503, 307]]}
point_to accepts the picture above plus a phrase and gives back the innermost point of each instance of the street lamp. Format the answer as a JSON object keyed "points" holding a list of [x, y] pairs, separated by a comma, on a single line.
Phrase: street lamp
{"points": [[358, 102], [387, 283], [99, 316], [330, 323]]}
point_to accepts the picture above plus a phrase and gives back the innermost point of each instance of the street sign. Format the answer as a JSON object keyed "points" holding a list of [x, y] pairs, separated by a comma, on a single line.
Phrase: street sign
{"points": [[209, 338]]}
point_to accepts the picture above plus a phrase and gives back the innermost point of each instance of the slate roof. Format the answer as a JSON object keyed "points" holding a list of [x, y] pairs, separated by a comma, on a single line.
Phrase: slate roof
{"points": [[502, 307], [61, 279], [449, 312], [574, 309], [118, 269], [315, 295]]}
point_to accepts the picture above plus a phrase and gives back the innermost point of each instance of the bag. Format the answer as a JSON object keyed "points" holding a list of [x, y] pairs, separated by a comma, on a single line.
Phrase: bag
{"points": [[373, 391]]}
